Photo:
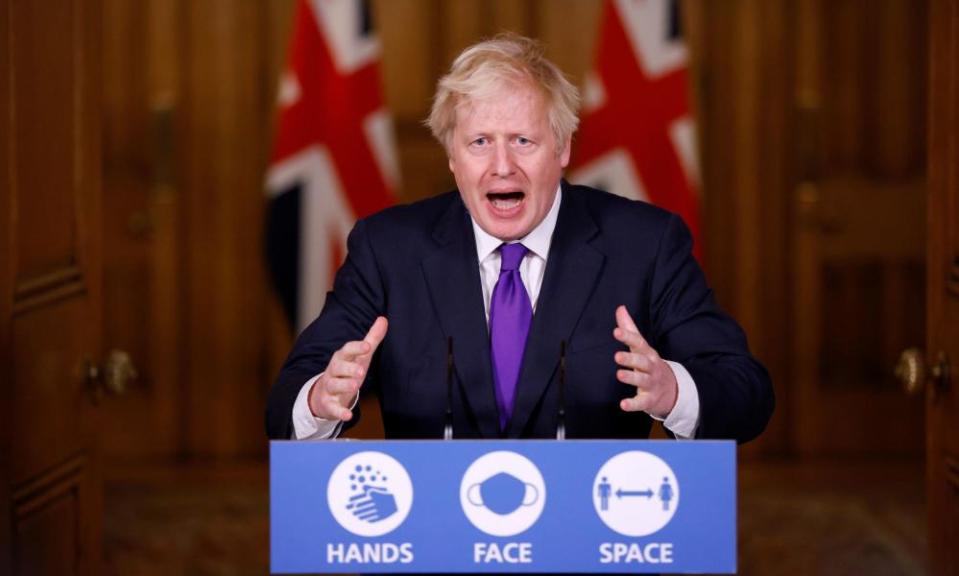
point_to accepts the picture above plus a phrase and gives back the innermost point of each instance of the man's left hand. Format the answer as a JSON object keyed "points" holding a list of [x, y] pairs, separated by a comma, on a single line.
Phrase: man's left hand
{"points": [[656, 387]]}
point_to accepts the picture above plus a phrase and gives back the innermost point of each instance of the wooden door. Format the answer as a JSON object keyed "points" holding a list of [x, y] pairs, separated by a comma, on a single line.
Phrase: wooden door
{"points": [[185, 138], [50, 277], [942, 395], [859, 221], [141, 51]]}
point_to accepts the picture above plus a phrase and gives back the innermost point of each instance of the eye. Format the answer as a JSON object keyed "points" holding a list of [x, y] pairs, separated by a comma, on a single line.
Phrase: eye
{"points": [[481, 141], [523, 141]]}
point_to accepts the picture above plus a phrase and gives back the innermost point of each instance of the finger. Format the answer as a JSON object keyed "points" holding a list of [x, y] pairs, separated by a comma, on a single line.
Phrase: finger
{"points": [[351, 350], [638, 403], [626, 330], [377, 333], [633, 378], [634, 340], [340, 368], [641, 362], [337, 410], [624, 320], [342, 386]]}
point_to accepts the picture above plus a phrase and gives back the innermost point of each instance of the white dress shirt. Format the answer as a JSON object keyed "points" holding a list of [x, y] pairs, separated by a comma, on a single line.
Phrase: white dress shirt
{"points": [[681, 421]]}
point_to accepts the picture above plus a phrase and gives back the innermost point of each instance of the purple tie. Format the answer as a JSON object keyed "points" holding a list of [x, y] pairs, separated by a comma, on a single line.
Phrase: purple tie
{"points": [[510, 315]]}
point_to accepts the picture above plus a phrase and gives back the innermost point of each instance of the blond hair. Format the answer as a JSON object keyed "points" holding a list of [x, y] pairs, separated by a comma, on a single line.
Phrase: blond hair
{"points": [[485, 68]]}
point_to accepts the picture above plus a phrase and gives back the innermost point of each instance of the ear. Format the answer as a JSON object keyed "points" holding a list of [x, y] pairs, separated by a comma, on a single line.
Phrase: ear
{"points": [[564, 154], [447, 142]]}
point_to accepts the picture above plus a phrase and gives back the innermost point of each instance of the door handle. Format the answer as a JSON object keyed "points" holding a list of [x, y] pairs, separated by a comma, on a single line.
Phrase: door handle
{"points": [[113, 377], [912, 372]]}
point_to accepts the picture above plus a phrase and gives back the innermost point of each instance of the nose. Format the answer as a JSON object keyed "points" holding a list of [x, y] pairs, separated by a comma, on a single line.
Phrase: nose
{"points": [[503, 161]]}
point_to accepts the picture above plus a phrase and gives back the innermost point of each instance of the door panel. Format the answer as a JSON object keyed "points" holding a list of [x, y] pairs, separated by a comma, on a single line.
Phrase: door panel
{"points": [[942, 398], [859, 224], [47, 512], [50, 412], [45, 75], [141, 49], [50, 274]]}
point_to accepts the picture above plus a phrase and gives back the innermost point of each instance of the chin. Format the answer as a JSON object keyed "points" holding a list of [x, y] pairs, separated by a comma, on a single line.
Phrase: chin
{"points": [[509, 233]]}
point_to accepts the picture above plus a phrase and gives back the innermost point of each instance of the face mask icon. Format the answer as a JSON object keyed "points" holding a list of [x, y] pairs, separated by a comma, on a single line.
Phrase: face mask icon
{"points": [[502, 493]]}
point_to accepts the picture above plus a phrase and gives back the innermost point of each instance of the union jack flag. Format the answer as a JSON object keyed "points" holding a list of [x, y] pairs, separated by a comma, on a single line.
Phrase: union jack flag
{"points": [[334, 159], [637, 137]]}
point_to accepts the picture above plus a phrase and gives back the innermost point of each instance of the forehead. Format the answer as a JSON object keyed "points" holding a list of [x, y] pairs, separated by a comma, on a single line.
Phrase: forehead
{"points": [[506, 107]]}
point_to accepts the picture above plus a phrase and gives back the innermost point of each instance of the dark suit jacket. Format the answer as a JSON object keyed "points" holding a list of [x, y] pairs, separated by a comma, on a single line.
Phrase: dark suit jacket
{"points": [[417, 265]]}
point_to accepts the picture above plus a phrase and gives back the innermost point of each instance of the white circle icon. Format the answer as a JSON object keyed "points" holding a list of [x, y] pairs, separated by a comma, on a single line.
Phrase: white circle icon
{"points": [[370, 493], [502, 493], [635, 493]]}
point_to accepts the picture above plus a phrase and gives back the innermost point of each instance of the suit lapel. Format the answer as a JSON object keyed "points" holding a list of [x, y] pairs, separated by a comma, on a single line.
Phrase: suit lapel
{"points": [[571, 273], [452, 275]]}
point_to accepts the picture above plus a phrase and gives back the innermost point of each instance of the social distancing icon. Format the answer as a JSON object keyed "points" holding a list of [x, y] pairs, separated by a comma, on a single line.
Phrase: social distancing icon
{"points": [[635, 493]]}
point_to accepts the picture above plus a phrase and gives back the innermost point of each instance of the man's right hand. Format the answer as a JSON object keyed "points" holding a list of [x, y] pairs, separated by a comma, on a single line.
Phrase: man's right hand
{"points": [[333, 392]]}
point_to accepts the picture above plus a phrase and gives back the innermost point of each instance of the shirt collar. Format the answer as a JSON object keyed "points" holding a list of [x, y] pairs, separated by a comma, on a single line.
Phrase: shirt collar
{"points": [[537, 241]]}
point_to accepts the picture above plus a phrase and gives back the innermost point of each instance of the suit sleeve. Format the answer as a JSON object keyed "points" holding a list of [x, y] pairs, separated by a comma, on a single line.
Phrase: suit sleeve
{"points": [[735, 392], [358, 297]]}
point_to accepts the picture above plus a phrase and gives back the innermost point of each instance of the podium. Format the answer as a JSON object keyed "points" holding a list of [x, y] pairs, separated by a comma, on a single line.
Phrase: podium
{"points": [[503, 506]]}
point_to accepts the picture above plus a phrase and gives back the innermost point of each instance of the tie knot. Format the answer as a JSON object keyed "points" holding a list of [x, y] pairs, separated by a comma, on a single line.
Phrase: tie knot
{"points": [[511, 255]]}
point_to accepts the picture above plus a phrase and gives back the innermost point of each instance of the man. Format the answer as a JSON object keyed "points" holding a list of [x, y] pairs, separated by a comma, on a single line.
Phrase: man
{"points": [[513, 270]]}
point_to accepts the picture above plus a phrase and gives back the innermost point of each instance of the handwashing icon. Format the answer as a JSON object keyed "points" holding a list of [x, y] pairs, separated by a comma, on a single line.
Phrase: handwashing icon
{"points": [[369, 493], [502, 493]]}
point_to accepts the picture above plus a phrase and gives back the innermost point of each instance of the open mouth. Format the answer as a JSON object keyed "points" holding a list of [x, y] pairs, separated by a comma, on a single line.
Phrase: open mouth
{"points": [[505, 201]]}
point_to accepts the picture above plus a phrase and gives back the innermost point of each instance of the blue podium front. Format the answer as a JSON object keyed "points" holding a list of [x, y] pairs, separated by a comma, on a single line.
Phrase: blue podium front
{"points": [[503, 506]]}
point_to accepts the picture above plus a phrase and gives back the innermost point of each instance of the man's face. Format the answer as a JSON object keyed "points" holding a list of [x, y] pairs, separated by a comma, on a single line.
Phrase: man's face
{"points": [[506, 161]]}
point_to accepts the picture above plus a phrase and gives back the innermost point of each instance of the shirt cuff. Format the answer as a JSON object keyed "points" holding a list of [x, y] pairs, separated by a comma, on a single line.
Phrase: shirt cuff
{"points": [[684, 417], [306, 426]]}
